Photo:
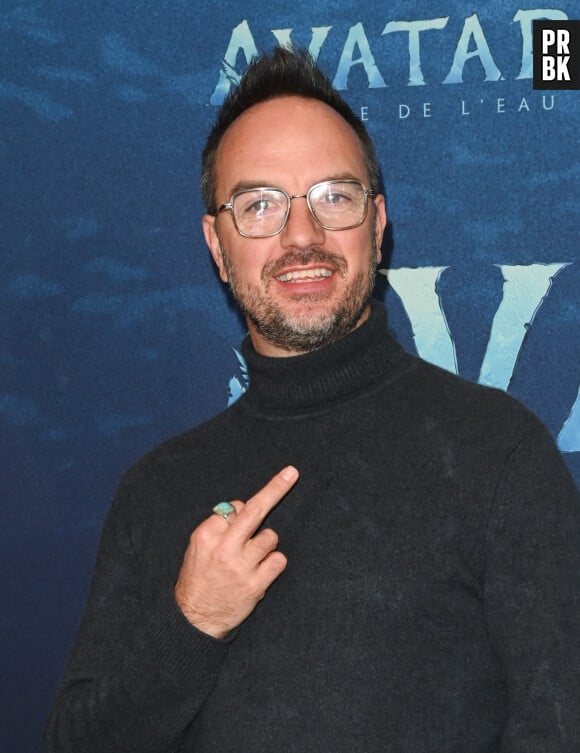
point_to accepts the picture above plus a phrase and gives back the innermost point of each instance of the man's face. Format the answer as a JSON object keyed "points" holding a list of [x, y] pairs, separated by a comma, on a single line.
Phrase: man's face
{"points": [[306, 286]]}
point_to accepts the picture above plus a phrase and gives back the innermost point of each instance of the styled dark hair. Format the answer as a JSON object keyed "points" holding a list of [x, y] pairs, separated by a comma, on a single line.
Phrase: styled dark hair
{"points": [[284, 72]]}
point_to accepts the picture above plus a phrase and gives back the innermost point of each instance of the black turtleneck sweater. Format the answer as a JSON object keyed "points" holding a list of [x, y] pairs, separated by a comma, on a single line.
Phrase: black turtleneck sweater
{"points": [[430, 603]]}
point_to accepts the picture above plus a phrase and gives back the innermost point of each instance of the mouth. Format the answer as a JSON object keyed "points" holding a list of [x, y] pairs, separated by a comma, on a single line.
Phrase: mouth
{"points": [[312, 274]]}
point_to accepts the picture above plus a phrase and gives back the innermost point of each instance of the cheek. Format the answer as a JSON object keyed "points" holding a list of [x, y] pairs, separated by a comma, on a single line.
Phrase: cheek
{"points": [[245, 264], [361, 247], [253, 257]]}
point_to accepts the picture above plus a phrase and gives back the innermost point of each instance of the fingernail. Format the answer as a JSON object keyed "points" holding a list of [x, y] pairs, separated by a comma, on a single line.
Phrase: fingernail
{"points": [[290, 473]]}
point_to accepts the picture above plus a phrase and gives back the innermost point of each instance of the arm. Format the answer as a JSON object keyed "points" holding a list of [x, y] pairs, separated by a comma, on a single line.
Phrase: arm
{"points": [[140, 669], [139, 672], [532, 597]]}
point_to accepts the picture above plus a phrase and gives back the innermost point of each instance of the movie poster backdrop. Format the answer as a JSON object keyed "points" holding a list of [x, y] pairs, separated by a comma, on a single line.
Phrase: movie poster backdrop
{"points": [[117, 332]]}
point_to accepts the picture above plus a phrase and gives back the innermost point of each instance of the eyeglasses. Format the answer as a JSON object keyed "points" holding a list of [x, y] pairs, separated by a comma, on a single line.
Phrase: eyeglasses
{"points": [[263, 212]]}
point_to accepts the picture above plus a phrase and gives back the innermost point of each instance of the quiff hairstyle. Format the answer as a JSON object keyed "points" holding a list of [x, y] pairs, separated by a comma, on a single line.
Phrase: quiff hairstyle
{"points": [[285, 72]]}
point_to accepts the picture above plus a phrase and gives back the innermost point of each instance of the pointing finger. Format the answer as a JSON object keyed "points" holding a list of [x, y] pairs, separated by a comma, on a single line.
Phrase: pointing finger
{"points": [[257, 507]]}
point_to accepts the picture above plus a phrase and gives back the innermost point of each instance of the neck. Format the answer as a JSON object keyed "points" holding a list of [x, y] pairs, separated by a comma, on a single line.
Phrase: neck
{"points": [[310, 380]]}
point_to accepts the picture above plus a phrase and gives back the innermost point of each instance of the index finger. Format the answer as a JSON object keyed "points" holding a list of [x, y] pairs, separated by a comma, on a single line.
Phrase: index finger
{"points": [[257, 507]]}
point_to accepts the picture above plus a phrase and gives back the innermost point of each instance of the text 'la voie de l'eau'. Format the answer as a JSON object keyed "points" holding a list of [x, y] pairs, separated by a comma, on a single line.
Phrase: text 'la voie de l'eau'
{"points": [[462, 107]]}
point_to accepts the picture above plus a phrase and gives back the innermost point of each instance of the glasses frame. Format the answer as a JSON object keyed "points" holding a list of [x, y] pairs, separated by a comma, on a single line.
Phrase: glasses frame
{"points": [[230, 205]]}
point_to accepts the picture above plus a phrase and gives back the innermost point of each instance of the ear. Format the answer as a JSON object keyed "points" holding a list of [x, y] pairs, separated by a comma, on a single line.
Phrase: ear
{"points": [[213, 242], [380, 222]]}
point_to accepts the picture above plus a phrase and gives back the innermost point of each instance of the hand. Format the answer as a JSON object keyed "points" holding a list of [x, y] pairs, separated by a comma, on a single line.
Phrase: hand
{"points": [[227, 569]]}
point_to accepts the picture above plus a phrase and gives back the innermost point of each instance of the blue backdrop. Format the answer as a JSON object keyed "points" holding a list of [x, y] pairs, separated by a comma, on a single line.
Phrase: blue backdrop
{"points": [[116, 331]]}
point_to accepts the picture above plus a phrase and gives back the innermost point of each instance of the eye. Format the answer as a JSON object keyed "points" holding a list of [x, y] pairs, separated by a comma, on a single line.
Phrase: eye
{"points": [[336, 197], [257, 204], [257, 207]]}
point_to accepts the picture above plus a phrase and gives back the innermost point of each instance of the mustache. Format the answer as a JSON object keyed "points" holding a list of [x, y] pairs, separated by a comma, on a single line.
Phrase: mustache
{"points": [[302, 258]]}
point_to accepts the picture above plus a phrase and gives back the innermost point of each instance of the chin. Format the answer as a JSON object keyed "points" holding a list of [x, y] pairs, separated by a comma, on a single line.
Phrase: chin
{"points": [[308, 330]]}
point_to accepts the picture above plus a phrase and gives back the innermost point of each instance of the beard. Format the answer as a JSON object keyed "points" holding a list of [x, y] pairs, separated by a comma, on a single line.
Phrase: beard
{"points": [[312, 327]]}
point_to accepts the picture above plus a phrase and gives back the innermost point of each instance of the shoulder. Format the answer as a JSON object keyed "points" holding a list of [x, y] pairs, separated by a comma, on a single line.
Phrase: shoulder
{"points": [[436, 390], [492, 442], [480, 422]]}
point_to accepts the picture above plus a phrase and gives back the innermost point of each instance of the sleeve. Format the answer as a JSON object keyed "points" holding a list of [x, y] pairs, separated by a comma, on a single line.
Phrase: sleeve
{"points": [[532, 597], [139, 671]]}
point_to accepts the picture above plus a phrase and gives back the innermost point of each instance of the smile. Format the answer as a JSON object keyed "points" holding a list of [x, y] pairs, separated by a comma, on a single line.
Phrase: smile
{"points": [[304, 274]]}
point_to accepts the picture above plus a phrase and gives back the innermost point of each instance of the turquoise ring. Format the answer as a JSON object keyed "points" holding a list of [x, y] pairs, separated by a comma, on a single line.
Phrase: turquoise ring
{"points": [[223, 509]]}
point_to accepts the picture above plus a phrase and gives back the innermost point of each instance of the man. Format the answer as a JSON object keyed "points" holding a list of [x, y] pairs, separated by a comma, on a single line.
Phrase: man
{"points": [[407, 580]]}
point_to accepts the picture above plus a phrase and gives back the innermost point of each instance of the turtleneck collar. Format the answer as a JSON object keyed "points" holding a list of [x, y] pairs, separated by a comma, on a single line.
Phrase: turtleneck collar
{"points": [[323, 376]]}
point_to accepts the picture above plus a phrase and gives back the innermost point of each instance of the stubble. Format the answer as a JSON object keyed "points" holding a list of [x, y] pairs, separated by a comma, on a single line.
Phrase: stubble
{"points": [[313, 326]]}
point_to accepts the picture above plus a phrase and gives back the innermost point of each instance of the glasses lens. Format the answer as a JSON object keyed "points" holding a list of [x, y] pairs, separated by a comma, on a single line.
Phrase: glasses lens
{"points": [[338, 204], [259, 212]]}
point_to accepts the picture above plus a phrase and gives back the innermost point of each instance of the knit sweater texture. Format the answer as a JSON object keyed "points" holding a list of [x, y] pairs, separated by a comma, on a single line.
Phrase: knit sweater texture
{"points": [[431, 598]]}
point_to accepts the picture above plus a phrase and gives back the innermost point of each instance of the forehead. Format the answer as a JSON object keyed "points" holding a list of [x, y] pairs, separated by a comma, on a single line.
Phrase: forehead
{"points": [[289, 142]]}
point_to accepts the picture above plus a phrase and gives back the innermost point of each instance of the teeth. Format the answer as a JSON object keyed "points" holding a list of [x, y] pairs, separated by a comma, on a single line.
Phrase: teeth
{"points": [[304, 274]]}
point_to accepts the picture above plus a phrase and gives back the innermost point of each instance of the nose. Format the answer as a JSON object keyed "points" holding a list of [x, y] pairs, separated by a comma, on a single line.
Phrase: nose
{"points": [[301, 230]]}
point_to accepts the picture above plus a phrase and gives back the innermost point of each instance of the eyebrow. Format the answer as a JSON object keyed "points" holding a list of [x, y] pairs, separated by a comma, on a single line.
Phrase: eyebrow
{"points": [[244, 185]]}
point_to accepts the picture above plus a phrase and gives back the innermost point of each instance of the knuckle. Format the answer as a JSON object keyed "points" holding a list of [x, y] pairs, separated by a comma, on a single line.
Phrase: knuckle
{"points": [[257, 589], [276, 487], [253, 513], [273, 565], [270, 538], [279, 483], [201, 536], [279, 561]]}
